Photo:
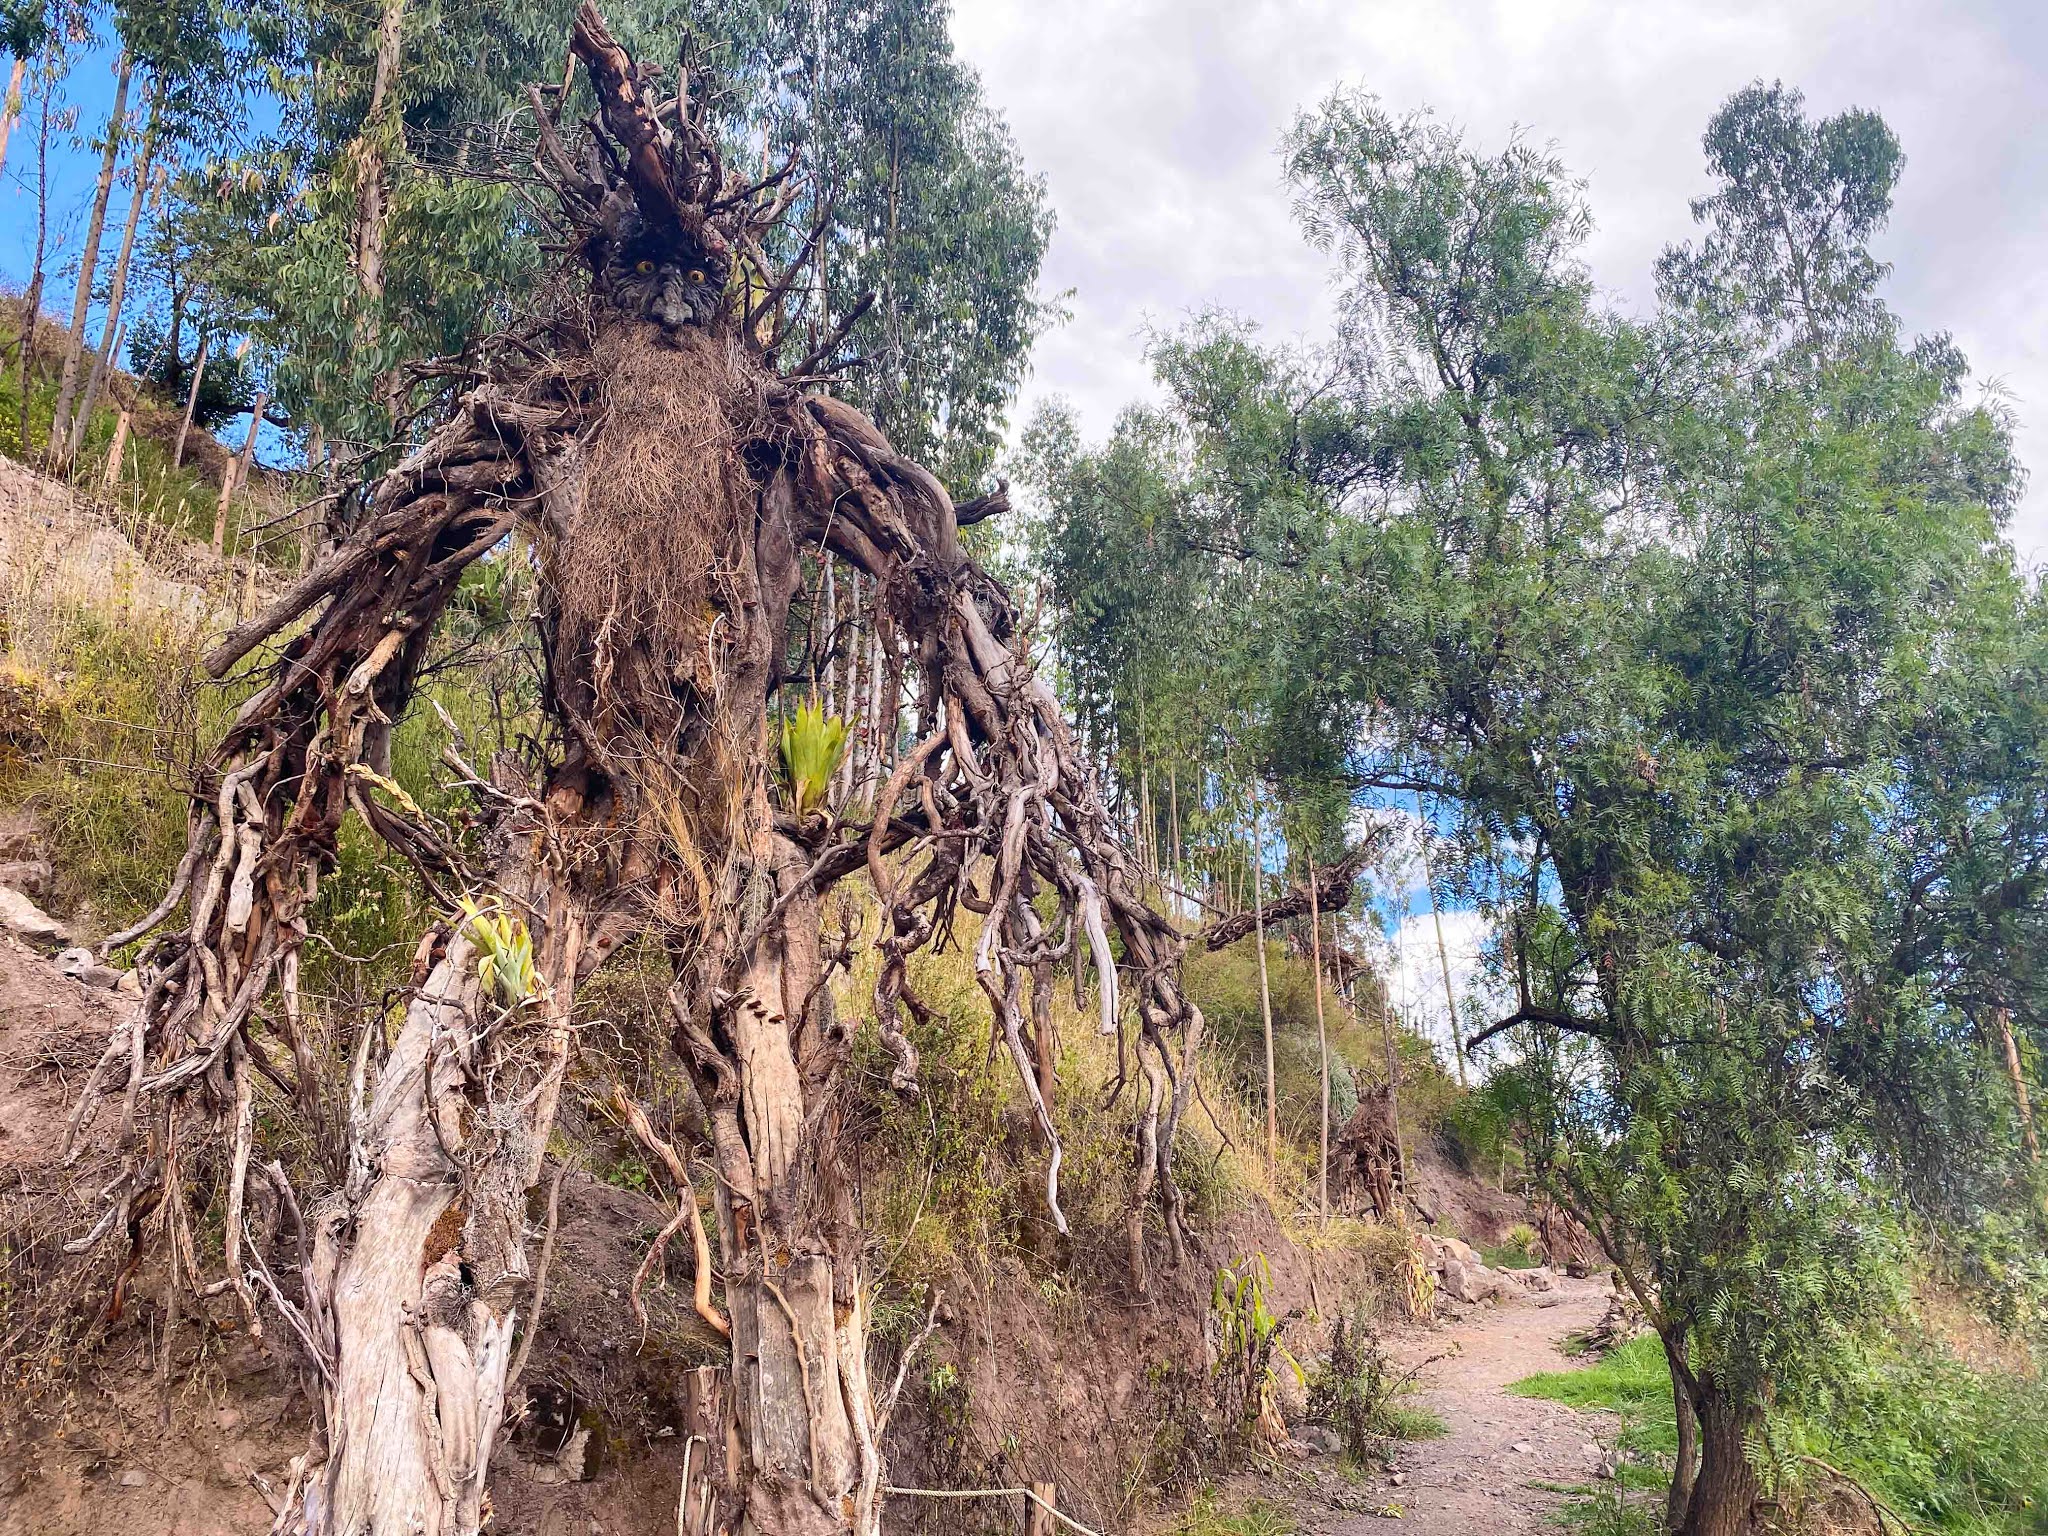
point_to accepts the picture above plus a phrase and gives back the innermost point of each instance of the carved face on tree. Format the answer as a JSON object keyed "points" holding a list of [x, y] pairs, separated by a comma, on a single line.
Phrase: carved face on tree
{"points": [[671, 282]]}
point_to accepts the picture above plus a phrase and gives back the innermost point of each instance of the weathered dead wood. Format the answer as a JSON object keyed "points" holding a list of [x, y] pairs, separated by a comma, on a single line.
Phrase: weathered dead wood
{"points": [[1332, 893], [671, 489]]}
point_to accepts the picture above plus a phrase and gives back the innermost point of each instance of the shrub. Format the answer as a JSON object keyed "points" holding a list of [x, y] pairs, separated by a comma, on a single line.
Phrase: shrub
{"points": [[1245, 1332], [1357, 1392]]}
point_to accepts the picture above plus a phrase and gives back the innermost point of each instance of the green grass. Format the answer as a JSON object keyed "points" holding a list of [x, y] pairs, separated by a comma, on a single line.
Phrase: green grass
{"points": [[1412, 1421], [1207, 1516], [1633, 1381], [1951, 1449]]}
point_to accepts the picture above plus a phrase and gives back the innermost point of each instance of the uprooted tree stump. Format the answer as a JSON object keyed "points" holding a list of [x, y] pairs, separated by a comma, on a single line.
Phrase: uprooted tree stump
{"points": [[1365, 1161], [670, 481]]}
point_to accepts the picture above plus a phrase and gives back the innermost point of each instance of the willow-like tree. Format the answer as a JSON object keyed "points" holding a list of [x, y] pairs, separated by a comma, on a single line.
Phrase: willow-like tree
{"points": [[1703, 628], [672, 486]]}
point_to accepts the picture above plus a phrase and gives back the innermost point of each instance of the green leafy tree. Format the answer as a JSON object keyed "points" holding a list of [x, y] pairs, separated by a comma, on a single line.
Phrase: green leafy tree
{"points": [[1703, 626]]}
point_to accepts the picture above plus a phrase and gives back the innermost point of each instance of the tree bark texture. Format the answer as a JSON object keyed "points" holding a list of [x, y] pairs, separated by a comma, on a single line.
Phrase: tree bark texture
{"points": [[10, 107], [1725, 1491], [108, 352]]}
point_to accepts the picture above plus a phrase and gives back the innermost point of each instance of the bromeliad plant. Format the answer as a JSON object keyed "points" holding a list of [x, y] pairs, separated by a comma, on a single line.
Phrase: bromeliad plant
{"points": [[504, 951], [813, 742]]}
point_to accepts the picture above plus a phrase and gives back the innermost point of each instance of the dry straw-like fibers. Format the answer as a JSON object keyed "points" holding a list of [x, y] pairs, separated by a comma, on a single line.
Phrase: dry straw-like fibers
{"points": [[655, 550]]}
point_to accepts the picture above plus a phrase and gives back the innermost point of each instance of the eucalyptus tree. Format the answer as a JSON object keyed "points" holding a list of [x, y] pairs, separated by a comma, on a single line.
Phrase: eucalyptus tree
{"points": [[1155, 549], [371, 229], [191, 73], [23, 29], [928, 208]]}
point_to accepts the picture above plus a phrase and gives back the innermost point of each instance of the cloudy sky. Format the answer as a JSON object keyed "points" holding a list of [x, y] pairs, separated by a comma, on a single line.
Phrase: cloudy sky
{"points": [[1155, 123]]}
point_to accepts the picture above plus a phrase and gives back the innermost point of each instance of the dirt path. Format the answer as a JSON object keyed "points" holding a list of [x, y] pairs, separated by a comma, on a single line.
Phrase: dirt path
{"points": [[1476, 1481]]}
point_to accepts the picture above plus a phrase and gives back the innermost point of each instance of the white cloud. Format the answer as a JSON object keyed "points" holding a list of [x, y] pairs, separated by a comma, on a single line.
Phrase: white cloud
{"points": [[1155, 122], [1414, 972]]}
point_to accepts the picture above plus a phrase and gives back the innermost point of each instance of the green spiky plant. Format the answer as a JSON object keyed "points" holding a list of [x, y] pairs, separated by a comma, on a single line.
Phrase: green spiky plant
{"points": [[504, 951], [813, 742]]}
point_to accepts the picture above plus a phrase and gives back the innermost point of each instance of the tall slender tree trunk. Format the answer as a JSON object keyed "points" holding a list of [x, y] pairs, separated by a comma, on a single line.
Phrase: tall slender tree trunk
{"points": [[1265, 986], [1173, 813], [32, 301], [1315, 942], [1443, 956], [1685, 1464], [2001, 1020], [10, 108], [1394, 1093], [373, 151], [110, 334], [111, 475], [191, 399], [237, 468], [88, 266]]}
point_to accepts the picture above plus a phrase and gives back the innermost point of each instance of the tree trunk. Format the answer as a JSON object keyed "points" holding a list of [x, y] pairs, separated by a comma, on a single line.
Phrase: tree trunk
{"points": [[1265, 989], [88, 266], [1725, 1492], [419, 1269], [191, 399], [10, 109], [2001, 1020], [110, 334], [32, 301], [1315, 944], [1394, 1093], [1685, 1465], [1442, 955], [112, 474], [237, 468], [373, 153]]}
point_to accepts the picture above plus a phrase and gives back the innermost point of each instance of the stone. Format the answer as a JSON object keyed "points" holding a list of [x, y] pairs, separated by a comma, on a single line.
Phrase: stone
{"points": [[1469, 1283], [1323, 1440], [82, 966], [1463, 1252], [134, 1477], [1540, 1278], [1523, 1448], [24, 919], [31, 877]]}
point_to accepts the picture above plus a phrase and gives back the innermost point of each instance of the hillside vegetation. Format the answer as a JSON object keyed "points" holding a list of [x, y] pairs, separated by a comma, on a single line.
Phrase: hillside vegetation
{"points": [[636, 939]]}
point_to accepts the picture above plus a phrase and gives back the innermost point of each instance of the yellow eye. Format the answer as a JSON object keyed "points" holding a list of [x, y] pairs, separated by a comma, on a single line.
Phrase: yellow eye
{"points": [[643, 267], [694, 275]]}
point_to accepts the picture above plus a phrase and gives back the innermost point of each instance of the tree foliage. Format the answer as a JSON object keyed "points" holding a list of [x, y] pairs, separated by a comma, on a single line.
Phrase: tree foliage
{"points": [[1703, 624]]}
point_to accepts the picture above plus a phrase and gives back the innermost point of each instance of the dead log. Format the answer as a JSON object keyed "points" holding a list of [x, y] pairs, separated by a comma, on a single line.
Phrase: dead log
{"points": [[1332, 893]]}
